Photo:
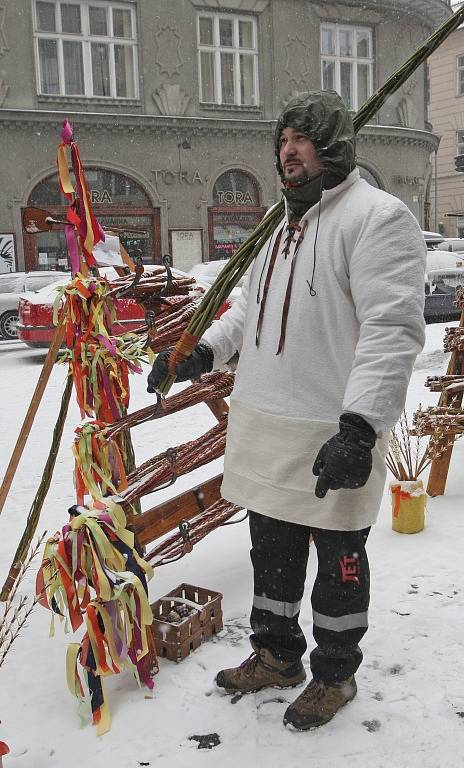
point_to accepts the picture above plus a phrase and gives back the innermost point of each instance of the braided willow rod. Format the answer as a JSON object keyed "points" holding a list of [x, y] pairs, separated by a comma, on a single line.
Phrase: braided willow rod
{"points": [[238, 263], [40, 496], [163, 470], [174, 546], [213, 386]]}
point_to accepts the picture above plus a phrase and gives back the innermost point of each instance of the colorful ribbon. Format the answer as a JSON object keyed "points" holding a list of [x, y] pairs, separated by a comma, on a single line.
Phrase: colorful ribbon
{"points": [[79, 213], [91, 573]]}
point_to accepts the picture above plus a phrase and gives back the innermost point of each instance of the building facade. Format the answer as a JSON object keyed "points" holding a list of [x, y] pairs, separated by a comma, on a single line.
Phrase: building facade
{"points": [[174, 102], [446, 111]]}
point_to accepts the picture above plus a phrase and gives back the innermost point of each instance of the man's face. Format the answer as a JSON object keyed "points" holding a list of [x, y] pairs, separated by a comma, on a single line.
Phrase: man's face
{"points": [[298, 156]]}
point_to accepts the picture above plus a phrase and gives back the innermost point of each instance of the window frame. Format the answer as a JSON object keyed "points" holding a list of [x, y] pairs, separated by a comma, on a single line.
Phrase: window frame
{"points": [[86, 39], [217, 49], [354, 60], [460, 143], [459, 69]]}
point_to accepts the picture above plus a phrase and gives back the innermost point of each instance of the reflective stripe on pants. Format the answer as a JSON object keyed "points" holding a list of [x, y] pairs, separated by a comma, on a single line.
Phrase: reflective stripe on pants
{"points": [[340, 595]]}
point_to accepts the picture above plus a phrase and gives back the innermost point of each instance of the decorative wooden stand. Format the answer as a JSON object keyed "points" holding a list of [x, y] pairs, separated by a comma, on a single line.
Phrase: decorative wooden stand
{"points": [[440, 466]]}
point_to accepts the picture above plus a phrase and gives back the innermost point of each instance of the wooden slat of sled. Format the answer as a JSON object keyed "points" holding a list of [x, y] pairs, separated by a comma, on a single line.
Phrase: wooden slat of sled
{"points": [[166, 517]]}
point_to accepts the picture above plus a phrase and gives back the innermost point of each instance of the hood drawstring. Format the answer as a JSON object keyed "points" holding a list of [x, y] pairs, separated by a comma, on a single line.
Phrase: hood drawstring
{"points": [[267, 281], [288, 292], [292, 228], [312, 290]]}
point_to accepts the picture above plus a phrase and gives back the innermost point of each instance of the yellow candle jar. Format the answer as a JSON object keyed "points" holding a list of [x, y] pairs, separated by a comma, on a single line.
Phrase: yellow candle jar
{"points": [[408, 505]]}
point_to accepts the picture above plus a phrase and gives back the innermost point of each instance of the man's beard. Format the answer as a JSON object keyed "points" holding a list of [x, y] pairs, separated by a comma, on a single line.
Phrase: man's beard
{"points": [[297, 180]]}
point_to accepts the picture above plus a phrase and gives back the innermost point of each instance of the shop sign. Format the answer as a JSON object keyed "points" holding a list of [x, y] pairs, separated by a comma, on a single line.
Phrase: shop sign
{"points": [[228, 197], [170, 177], [100, 196], [413, 181], [186, 248]]}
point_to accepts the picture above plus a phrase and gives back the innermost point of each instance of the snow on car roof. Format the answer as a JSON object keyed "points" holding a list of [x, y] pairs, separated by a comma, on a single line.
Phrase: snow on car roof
{"points": [[443, 260]]}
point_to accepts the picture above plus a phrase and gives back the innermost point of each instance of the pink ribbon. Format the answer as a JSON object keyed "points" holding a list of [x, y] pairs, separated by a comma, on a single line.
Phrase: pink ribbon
{"points": [[72, 248], [66, 132]]}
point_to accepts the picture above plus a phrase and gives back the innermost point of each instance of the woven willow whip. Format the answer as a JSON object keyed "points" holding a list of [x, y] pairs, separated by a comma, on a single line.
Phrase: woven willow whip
{"points": [[238, 264]]}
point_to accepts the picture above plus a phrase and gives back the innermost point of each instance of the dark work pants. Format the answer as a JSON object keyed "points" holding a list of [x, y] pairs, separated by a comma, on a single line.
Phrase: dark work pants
{"points": [[340, 596]]}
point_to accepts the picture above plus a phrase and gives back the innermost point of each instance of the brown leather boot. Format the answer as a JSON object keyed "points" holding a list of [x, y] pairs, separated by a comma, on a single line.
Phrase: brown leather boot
{"points": [[318, 703], [261, 670]]}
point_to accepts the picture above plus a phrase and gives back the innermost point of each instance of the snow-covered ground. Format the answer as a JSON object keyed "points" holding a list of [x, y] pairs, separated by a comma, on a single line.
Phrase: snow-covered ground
{"points": [[409, 712]]}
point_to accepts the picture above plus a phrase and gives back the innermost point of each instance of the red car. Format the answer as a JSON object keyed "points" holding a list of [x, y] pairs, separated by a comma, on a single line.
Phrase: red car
{"points": [[36, 327]]}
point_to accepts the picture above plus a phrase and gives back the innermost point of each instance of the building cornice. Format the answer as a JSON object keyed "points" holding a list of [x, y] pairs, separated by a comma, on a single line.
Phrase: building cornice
{"points": [[99, 122], [394, 134], [431, 12], [119, 123]]}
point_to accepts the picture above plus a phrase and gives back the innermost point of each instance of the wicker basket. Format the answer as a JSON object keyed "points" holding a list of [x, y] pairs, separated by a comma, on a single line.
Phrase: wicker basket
{"points": [[175, 640]]}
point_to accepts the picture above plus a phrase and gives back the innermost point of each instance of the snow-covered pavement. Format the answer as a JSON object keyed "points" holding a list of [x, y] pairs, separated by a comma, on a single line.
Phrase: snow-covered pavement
{"points": [[409, 712]]}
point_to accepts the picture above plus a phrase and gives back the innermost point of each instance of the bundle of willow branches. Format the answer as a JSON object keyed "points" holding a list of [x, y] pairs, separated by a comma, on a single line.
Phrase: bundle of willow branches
{"points": [[16, 613], [449, 383], [162, 470], [459, 298], [174, 546], [241, 260], [213, 386], [454, 340], [441, 422], [151, 281], [406, 457]]}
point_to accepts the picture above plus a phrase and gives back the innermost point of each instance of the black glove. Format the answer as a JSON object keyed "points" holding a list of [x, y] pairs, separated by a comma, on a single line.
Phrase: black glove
{"points": [[345, 461], [200, 361]]}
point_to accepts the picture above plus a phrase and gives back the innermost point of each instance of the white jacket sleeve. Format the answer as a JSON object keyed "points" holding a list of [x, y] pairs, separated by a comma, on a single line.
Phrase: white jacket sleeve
{"points": [[386, 267], [225, 335]]}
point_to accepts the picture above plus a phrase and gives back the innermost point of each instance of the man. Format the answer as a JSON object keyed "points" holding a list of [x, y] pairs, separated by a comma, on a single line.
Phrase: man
{"points": [[328, 327]]}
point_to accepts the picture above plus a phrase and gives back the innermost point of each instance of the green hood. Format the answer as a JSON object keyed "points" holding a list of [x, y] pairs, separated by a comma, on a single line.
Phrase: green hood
{"points": [[323, 116]]}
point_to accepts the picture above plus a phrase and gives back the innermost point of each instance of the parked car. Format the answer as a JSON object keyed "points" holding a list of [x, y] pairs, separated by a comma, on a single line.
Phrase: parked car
{"points": [[12, 285], [432, 239], [454, 244], [35, 326], [208, 271], [445, 273]]}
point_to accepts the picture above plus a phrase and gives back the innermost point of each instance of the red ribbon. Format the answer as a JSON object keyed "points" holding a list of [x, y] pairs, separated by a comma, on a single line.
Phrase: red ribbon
{"points": [[398, 496]]}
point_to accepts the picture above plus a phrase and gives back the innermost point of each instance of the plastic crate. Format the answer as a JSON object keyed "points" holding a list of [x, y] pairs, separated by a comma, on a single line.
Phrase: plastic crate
{"points": [[175, 640]]}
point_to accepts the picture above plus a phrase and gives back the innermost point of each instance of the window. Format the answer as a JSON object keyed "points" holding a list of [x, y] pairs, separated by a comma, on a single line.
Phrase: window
{"points": [[235, 188], [347, 63], [86, 49], [228, 59], [460, 142], [460, 75]]}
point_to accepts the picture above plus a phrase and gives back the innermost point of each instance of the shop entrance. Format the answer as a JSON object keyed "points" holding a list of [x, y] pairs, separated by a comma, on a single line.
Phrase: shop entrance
{"points": [[117, 200], [235, 212]]}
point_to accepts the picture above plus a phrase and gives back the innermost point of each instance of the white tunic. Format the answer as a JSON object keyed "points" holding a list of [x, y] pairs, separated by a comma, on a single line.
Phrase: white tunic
{"points": [[350, 347]]}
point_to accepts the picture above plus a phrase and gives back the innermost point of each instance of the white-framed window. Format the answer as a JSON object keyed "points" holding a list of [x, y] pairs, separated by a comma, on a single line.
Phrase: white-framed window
{"points": [[228, 59], [86, 48], [347, 62], [460, 75]]}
